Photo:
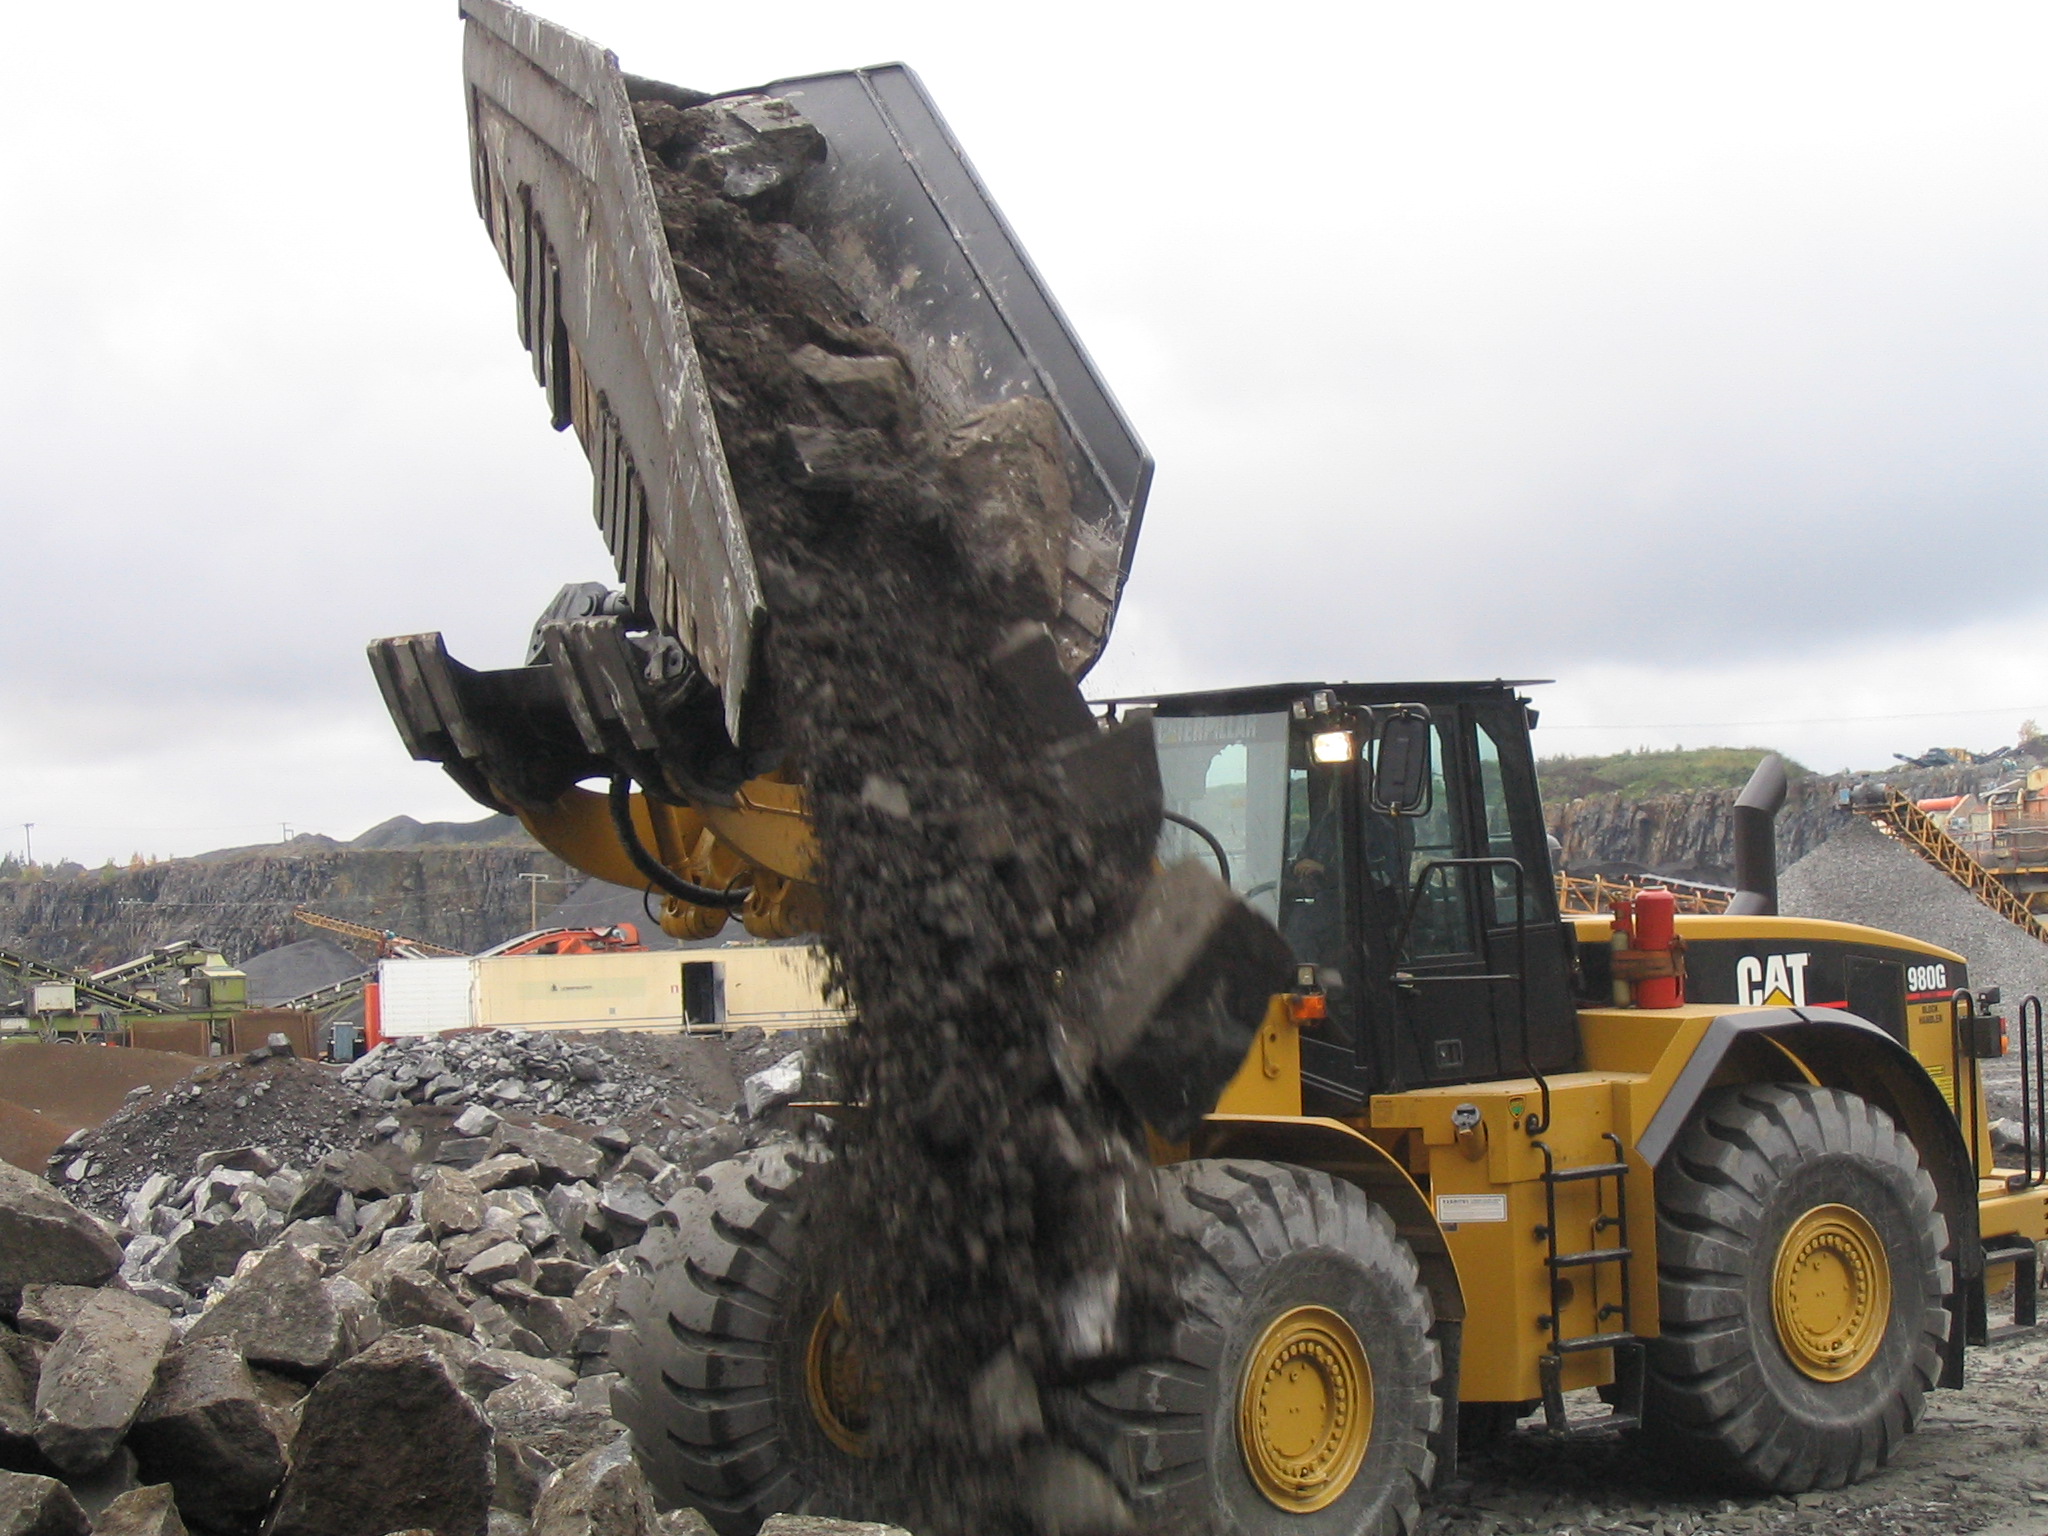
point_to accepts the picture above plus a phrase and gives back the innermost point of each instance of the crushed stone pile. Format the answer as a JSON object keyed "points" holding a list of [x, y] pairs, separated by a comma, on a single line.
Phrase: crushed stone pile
{"points": [[1861, 876], [979, 1200], [377, 1344], [293, 970], [690, 1098]]}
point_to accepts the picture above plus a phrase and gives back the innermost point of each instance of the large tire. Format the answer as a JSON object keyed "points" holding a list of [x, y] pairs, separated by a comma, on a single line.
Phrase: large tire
{"points": [[1270, 1253], [1801, 1287], [722, 1307]]}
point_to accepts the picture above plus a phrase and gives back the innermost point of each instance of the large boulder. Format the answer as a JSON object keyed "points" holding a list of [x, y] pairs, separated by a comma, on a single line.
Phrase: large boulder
{"points": [[44, 1238], [150, 1511], [39, 1506], [96, 1377], [209, 1432], [280, 1316], [600, 1494], [17, 1414], [560, 1159], [388, 1441]]}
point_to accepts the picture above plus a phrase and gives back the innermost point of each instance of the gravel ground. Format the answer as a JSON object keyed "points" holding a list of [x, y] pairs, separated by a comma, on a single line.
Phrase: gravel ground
{"points": [[1977, 1464]]}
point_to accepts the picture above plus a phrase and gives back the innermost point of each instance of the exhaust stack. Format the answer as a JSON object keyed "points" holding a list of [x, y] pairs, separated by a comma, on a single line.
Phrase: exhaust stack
{"points": [[1756, 840]]}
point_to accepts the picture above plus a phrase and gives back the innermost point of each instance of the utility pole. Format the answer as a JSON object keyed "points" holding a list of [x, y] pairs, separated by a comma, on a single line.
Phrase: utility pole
{"points": [[533, 885]]}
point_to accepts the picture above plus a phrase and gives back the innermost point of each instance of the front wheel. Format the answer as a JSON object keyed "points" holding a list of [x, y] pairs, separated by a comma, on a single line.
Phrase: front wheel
{"points": [[739, 1382], [1802, 1288], [1297, 1395]]}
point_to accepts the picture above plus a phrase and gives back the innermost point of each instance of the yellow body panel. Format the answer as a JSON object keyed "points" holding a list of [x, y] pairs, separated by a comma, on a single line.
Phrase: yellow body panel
{"points": [[1269, 1082]]}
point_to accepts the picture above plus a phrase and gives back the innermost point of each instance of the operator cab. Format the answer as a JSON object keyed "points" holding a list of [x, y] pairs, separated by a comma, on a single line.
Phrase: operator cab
{"points": [[1394, 834]]}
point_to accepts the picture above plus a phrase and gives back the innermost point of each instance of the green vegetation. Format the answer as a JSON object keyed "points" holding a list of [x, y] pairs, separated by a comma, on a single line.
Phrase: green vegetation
{"points": [[1645, 772]]}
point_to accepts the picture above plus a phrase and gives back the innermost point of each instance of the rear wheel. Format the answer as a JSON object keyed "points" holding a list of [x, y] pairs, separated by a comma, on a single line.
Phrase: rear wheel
{"points": [[1297, 1394], [739, 1384], [1802, 1288]]}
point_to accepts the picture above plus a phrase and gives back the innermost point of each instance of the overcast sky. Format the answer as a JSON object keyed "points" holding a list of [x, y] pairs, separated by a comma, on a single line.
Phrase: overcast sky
{"points": [[1693, 355]]}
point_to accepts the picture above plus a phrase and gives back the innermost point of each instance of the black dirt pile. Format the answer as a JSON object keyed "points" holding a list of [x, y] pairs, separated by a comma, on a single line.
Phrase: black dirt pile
{"points": [[983, 1210], [298, 1110]]}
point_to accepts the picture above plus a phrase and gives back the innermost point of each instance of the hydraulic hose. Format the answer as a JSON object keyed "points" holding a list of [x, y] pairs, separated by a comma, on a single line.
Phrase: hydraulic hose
{"points": [[1215, 847], [658, 874]]}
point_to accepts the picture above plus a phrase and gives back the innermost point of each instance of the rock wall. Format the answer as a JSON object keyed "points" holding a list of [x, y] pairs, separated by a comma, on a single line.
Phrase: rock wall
{"points": [[463, 897], [1691, 836]]}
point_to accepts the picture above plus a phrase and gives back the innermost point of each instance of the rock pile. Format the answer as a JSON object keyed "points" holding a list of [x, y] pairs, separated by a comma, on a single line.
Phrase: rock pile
{"points": [[686, 1097], [403, 1338]]}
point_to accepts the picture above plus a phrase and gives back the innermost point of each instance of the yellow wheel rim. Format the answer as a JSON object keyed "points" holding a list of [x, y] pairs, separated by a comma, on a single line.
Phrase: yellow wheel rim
{"points": [[1304, 1412], [836, 1380], [1831, 1292]]}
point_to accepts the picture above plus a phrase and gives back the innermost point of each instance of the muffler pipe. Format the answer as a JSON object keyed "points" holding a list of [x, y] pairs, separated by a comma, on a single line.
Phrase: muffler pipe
{"points": [[1756, 840]]}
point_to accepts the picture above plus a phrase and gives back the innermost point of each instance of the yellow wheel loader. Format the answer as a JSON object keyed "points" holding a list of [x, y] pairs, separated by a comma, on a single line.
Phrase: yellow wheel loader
{"points": [[1468, 1157]]}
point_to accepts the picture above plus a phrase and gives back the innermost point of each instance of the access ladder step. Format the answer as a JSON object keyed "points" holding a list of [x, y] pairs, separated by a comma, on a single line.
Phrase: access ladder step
{"points": [[1590, 1171], [1591, 1256], [1593, 1341]]}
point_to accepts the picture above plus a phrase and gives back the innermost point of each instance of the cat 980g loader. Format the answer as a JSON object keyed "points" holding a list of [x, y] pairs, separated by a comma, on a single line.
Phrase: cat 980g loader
{"points": [[1469, 1157]]}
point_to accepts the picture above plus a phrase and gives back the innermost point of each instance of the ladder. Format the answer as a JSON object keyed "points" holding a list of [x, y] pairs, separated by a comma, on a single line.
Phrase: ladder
{"points": [[1894, 812], [1630, 1362]]}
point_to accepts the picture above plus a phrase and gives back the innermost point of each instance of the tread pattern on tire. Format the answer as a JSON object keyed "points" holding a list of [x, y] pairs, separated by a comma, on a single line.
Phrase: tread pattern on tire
{"points": [[1712, 1398], [699, 1387], [1154, 1426]]}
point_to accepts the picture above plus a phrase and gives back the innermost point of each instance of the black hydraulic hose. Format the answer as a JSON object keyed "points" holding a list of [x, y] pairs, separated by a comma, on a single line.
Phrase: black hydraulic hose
{"points": [[657, 873], [1194, 826]]}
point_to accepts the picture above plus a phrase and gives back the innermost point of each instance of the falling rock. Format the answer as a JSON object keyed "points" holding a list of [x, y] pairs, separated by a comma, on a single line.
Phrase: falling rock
{"points": [[45, 1239], [867, 391], [280, 1315], [1065, 1494], [825, 1525], [39, 1506], [774, 1085], [96, 1377], [685, 1522], [388, 1441], [602, 1493], [209, 1432], [47, 1310], [150, 1511]]}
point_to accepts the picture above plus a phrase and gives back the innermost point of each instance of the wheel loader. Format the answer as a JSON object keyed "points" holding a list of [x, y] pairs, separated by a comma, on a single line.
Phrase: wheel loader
{"points": [[1456, 1159]]}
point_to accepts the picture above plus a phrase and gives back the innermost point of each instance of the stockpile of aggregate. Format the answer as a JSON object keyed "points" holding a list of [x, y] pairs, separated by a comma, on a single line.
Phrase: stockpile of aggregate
{"points": [[976, 1200], [1862, 876]]}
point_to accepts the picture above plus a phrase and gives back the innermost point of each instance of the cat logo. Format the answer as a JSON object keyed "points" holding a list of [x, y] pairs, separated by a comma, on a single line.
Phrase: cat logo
{"points": [[1774, 981]]}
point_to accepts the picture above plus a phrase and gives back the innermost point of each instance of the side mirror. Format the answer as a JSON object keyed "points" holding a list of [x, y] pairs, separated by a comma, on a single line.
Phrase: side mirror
{"points": [[1400, 764]]}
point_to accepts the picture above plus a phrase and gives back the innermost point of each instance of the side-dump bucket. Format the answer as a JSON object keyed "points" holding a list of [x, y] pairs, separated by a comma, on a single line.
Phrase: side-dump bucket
{"points": [[907, 230]]}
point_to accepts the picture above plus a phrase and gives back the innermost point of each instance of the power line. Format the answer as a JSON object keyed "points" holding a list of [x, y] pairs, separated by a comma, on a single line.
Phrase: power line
{"points": [[1715, 725]]}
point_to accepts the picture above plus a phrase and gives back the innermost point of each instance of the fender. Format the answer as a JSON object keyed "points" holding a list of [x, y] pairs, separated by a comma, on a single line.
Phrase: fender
{"points": [[1841, 1050]]}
